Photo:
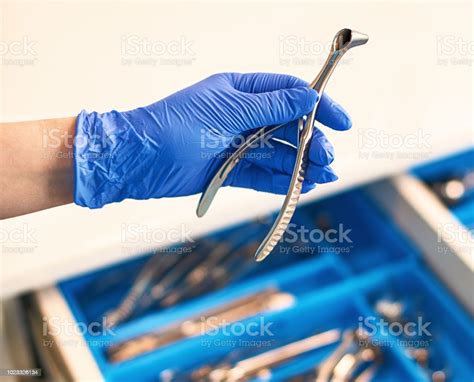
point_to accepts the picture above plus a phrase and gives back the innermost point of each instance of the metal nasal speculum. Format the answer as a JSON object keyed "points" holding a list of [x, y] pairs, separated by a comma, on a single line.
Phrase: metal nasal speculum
{"points": [[344, 40]]}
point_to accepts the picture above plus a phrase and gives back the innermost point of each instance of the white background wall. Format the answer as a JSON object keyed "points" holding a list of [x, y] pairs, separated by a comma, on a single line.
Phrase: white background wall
{"points": [[412, 83]]}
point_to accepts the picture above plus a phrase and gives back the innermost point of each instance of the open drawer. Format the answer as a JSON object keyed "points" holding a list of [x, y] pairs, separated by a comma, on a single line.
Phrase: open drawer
{"points": [[347, 263]]}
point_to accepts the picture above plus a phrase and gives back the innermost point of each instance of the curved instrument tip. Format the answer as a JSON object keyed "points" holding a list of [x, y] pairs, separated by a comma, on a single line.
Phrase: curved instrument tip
{"points": [[201, 209], [261, 255]]}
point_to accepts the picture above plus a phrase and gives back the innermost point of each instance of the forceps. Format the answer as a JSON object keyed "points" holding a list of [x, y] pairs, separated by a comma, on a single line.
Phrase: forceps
{"points": [[344, 40]]}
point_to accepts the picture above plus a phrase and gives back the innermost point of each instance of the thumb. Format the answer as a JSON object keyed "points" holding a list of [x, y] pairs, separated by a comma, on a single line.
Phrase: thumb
{"points": [[279, 106]]}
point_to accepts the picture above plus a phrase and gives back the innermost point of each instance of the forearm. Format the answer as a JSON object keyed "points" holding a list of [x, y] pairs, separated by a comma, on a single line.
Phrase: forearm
{"points": [[36, 165]]}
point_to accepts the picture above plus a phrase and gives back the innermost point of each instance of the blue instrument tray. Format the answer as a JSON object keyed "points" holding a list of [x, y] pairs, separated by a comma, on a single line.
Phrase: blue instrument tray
{"points": [[336, 284]]}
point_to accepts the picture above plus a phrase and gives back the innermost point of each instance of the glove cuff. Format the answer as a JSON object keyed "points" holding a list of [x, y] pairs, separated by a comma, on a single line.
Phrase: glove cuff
{"points": [[91, 150], [97, 143], [112, 156]]}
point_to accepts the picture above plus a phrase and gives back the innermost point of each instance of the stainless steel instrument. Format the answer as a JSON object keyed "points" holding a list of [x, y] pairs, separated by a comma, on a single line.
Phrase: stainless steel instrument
{"points": [[205, 277], [157, 267], [257, 365], [268, 300], [355, 359], [344, 40]]}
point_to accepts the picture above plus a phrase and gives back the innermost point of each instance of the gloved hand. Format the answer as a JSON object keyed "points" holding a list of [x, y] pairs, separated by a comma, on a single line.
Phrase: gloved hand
{"points": [[174, 146]]}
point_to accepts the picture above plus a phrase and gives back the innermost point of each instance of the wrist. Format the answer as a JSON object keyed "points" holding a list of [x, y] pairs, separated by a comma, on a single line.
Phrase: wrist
{"points": [[36, 165]]}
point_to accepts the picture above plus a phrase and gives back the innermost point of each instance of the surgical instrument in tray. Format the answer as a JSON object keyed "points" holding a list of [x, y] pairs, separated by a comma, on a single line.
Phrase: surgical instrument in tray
{"points": [[422, 349], [155, 268], [239, 309], [165, 280], [344, 40], [252, 367], [356, 358], [204, 279], [355, 350], [209, 273]]}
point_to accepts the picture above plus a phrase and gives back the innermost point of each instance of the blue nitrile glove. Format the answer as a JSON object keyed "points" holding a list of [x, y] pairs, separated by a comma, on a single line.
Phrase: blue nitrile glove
{"points": [[174, 146]]}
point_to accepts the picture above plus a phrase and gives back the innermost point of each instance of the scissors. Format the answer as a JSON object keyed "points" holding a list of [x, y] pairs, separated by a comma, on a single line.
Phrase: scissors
{"points": [[344, 40]]}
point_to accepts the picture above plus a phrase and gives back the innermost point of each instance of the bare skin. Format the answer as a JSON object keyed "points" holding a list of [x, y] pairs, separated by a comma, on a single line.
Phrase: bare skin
{"points": [[36, 165]]}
